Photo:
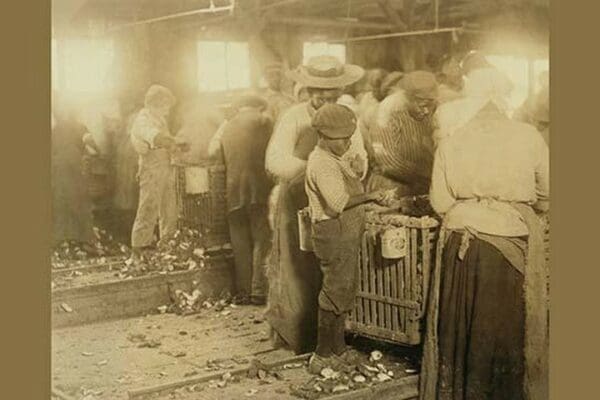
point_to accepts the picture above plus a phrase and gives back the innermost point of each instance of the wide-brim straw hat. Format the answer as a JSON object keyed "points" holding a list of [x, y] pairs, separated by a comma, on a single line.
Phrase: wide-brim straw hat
{"points": [[326, 72]]}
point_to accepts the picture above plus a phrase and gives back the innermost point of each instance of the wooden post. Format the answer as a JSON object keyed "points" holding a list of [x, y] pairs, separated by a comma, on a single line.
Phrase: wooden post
{"points": [[406, 282], [365, 277], [394, 294], [379, 290], [387, 293], [358, 308], [372, 268], [414, 283]]}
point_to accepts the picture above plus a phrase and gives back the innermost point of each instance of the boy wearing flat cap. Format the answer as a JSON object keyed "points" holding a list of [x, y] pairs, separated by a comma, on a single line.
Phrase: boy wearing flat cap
{"points": [[335, 195]]}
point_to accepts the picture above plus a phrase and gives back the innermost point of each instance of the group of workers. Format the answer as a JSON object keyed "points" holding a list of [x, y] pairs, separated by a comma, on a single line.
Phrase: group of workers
{"points": [[333, 149]]}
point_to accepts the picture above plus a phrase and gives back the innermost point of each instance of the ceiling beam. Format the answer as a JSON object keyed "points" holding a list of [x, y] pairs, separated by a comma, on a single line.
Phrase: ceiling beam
{"points": [[330, 22], [401, 34], [204, 10]]}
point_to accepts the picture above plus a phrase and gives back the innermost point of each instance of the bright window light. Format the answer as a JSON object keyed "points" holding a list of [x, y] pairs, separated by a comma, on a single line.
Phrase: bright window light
{"points": [[312, 49], [87, 64], [516, 68], [223, 66]]}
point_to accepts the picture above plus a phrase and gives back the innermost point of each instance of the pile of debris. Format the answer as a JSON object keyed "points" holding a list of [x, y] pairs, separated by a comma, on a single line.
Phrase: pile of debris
{"points": [[184, 251], [193, 302], [413, 206], [73, 252], [367, 372]]}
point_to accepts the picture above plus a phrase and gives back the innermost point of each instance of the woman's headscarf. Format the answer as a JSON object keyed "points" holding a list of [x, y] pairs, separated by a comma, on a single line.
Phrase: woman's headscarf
{"points": [[482, 86]]}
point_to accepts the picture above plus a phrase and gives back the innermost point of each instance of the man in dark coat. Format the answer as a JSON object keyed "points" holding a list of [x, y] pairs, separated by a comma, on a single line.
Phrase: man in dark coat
{"points": [[243, 142]]}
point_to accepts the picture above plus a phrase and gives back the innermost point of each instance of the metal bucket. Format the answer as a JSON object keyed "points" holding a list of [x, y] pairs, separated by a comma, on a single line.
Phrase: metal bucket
{"points": [[196, 180], [394, 243], [304, 230]]}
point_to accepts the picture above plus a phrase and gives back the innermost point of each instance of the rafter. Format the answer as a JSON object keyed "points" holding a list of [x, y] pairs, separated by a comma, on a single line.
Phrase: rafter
{"points": [[331, 23]]}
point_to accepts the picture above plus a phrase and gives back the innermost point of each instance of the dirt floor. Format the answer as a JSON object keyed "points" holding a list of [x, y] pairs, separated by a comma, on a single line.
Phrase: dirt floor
{"points": [[106, 360]]}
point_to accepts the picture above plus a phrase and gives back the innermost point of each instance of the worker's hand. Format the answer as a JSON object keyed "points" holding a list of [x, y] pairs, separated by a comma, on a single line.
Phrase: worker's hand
{"points": [[378, 195], [383, 197]]}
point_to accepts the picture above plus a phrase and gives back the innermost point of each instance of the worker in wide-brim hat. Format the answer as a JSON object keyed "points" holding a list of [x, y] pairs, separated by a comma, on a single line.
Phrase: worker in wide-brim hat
{"points": [[326, 72], [400, 137], [294, 276]]}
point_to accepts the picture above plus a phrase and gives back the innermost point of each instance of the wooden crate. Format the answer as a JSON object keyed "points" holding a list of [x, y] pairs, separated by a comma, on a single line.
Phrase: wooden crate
{"points": [[391, 292], [205, 212]]}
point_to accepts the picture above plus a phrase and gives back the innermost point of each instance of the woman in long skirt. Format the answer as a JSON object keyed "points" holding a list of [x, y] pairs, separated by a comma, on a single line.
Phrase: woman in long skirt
{"points": [[487, 324]]}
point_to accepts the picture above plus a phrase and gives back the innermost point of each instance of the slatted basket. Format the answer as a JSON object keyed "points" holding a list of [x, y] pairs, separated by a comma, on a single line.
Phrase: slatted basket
{"points": [[204, 210], [390, 302]]}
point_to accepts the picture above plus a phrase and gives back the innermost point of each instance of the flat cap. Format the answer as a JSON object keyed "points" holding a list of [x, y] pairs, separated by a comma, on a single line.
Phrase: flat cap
{"points": [[334, 121], [421, 84]]}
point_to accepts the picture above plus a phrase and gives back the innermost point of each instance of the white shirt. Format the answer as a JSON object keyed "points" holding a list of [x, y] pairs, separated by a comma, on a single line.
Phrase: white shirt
{"points": [[145, 128], [484, 165], [280, 159]]}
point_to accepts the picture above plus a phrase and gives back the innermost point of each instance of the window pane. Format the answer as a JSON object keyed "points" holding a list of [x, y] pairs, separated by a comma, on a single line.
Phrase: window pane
{"points": [[312, 49], [211, 66], [223, 66], [87, 65], [337, 50], [238, 65]]}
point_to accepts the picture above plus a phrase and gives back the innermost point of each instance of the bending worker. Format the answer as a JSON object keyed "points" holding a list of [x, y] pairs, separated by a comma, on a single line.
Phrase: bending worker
{"points": [[243, 142], [153, 143]]}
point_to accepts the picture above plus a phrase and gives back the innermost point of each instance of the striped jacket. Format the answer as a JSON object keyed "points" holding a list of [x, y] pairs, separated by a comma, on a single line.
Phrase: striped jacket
{"points": [[400, 148]]}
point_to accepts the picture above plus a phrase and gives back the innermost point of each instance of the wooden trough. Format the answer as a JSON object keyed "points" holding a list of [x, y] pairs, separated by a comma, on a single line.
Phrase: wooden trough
{"points": [[136, 296]]}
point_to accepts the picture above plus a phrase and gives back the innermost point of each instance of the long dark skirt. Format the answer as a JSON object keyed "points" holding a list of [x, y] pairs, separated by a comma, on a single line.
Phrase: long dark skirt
{"points": [[294, 276], [481, 325]]}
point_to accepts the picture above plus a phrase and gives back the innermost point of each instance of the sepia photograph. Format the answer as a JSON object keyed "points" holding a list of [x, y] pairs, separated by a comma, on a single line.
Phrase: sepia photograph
{"points": [[300, 199]]}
